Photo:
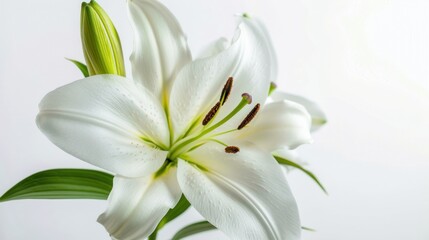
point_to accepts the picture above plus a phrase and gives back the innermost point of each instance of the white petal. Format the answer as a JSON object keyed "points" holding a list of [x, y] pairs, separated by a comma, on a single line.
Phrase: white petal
{"points": [[270, 47], [245, 195], [198, 86], [317, 115], [160, 48], [102, 120], [137, 205], [214, 48], [279, 124]]}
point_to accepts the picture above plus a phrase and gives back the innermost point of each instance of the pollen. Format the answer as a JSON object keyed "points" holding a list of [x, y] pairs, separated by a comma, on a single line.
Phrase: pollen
{"points": [[226, 90], [249, 116], [232, 149], [211, 114]]}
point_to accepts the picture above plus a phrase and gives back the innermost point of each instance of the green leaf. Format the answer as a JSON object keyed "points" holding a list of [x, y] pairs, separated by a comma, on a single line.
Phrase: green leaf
{"points": [[62, 184], [82, 67], [295, 165], [192, 229], [173, 213]]}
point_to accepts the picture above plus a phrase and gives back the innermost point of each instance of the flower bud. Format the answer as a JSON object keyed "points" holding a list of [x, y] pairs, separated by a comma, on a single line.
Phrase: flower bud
{"points": [[100, 41]]}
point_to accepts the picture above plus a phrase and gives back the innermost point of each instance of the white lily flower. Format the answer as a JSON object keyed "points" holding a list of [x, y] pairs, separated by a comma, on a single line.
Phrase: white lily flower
{"points": [[183, 126]]}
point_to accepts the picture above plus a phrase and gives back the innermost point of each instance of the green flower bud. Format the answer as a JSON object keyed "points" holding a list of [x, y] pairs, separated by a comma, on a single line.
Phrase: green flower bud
{"points": [[100, 41]]}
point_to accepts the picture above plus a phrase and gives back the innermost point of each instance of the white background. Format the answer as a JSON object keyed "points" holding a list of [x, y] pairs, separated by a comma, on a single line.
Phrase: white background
{"points": [[365, 62]]}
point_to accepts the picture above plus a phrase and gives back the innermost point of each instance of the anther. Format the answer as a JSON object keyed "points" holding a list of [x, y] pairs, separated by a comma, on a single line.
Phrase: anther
{"points": [[249, 116], [211, 114], [247, 97], [226, 90], [232, 149]]}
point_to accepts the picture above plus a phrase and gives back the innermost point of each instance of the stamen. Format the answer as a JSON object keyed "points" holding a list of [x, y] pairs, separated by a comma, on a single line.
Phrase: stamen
{"points": [[273, 87], [226, 91], [180, 146], [249, 116], [211, 114], [232, 149]]}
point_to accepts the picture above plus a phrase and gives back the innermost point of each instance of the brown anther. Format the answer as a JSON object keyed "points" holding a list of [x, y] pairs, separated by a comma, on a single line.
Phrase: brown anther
{"points": [[211, 114], [249, 116], [226, 90], [232, 149]]}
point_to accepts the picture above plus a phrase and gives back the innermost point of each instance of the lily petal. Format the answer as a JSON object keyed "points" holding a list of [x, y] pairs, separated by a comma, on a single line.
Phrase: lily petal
{"points": [[198, 86], [137, 205], [270, 47], [214, 48], [280, 124], [245, 194], [160, 47], [103, 120], [318, 117]]}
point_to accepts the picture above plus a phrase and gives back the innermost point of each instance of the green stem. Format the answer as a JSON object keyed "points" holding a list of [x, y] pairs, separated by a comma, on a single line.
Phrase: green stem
{"points": [[153, 235]]}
